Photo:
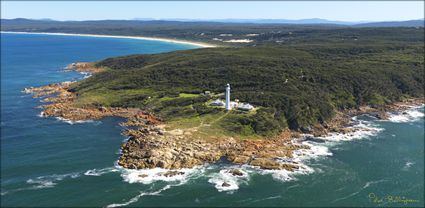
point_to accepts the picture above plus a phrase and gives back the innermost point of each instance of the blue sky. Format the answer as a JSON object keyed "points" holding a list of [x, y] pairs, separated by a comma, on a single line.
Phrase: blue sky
{"points": [[332, 10]]}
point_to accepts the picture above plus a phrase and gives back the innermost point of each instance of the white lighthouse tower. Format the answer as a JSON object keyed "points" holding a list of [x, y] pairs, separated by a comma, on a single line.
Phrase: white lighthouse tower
{"points": [[228, 107]]}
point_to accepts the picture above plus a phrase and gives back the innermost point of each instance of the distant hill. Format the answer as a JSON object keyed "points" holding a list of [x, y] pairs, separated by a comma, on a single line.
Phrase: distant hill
{"points": [[312, 21], [262, 21], [409, 23], [227, 33]]}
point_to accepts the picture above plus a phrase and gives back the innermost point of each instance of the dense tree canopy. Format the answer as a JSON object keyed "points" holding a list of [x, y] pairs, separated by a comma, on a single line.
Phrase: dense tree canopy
{"points": [[297, 85]]}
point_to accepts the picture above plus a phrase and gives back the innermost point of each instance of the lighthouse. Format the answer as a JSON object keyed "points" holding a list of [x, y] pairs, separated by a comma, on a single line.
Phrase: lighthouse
{"points": [[228, 107]]}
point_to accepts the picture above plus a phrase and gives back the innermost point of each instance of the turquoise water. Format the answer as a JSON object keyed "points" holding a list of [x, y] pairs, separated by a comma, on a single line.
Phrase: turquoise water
{"points": [[47, 162]]}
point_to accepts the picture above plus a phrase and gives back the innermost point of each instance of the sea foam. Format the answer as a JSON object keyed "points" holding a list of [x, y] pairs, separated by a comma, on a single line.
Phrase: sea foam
{"points": [[74, 122], [300, 159], [231, 181], [86, 75], [409, 115], [99, 172], [363, 129], [320, 148], [49, 181], [148, 176], [136, 198]]}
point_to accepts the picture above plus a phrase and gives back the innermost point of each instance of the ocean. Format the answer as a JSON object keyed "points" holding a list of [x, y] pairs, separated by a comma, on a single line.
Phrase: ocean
{"points": [[49, 162]]}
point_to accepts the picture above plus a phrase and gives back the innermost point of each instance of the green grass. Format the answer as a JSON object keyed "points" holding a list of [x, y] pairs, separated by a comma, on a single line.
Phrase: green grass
{"points": [[181, 95], [207, 126], [107, 97]]}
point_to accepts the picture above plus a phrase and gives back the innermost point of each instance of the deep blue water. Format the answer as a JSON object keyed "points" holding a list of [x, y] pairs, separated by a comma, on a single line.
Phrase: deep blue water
{"points": [[44, 160]]}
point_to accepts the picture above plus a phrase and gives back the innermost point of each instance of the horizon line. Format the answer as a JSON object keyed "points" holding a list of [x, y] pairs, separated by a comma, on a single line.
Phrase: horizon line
{"points": [[211, 19]]}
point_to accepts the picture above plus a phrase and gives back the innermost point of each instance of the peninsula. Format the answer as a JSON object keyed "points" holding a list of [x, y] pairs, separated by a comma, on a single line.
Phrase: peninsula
{"points": [[311, 85]]}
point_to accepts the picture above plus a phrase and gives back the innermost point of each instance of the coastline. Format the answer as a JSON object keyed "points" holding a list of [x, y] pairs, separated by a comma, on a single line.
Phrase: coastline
{"points": [[152, 152], [49, 157], [172, 150], [151, 146], [169, 40]]}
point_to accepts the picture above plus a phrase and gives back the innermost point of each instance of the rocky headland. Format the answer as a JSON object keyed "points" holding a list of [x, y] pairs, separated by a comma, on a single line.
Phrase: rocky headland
{"points": [[153, 147], [149, 145]]}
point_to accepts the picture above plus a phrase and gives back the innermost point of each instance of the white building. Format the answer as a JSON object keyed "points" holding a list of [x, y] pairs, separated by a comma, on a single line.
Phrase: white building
{"points": [[245, 106], [217, 102], [229, 105]]}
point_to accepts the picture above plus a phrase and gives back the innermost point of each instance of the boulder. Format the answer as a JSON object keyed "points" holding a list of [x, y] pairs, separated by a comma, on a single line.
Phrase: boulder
{"points": [[225, 184], [266, 163], [172, 173], [236, 172], [306, 129], [240, 159], [143, 175]]}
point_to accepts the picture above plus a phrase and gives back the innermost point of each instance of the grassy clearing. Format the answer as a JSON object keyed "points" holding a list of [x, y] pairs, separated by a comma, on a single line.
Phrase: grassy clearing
{"points": [[209, 126], [109, 97], [181, 95]]}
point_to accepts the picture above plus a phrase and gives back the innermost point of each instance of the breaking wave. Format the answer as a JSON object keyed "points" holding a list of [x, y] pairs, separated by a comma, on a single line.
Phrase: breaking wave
{"points": [[86, 75], [369, 183], [363, 129], [148, 176], [229, 182], [407, 165], [300, 158], [75, 122], [42, 182], [136, 198], [319, 147], [225, 180], [99, 172], [412, 114], [50, 180]]}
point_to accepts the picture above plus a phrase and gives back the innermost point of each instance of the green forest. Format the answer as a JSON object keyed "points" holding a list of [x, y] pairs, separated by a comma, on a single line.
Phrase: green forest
{"points": [[218, 33], [293, 85]]}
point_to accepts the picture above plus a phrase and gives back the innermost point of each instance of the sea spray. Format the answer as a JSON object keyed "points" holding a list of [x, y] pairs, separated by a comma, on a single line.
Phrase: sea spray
{"points": [[41, 182], [100, 172], [413, 113], [71, 122], [148, 176], [320, 147], [136, 198], [300, 159], [227, 181], [50, 180], [363, 129]]}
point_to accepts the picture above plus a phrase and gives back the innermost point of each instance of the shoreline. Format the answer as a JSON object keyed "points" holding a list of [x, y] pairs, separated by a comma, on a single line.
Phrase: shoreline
{"points": [[150, 147], [168, 40], [164, 149]]}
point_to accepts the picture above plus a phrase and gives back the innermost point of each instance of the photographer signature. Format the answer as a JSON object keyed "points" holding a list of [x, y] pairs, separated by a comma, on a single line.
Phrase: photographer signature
{"points": [[391, 199]]}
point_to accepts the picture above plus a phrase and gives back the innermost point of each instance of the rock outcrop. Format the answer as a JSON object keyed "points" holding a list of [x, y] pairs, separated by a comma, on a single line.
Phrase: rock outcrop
{"points": [[150, 146], [87, 67], [153, 147]]}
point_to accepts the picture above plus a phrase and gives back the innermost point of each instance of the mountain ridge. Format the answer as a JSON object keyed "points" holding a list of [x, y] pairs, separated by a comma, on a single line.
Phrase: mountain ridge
{"points": [[310, 21]]}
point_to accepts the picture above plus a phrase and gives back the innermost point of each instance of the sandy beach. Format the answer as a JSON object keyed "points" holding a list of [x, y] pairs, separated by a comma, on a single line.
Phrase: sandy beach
{"points": [[203, 45]]}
